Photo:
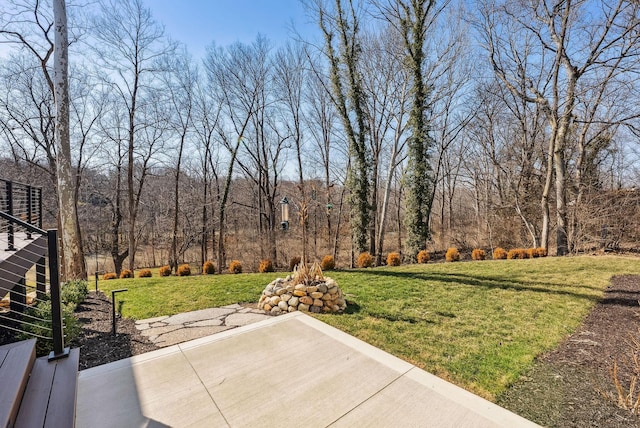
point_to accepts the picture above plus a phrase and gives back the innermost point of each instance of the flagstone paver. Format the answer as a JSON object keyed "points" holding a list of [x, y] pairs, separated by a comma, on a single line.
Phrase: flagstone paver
{"points": [[170, 330]]}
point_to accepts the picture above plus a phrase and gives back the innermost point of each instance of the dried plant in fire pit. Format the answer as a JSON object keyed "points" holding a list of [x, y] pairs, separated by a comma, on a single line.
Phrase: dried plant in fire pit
{"points": [[306, 289]]}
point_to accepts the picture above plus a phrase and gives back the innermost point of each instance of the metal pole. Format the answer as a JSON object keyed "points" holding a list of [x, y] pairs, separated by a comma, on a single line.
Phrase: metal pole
{"points": [[59, 351], [10, 231], [40, 208], [113, 309], [29, 214]]}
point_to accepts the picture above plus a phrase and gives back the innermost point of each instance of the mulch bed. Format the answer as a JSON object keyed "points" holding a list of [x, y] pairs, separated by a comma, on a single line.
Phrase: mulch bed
{"points": [[97, 345], [572, 386]]}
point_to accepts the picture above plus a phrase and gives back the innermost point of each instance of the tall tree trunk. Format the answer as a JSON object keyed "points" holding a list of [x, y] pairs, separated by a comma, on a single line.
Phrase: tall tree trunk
{"points": [[173, 258], [74, 263]]}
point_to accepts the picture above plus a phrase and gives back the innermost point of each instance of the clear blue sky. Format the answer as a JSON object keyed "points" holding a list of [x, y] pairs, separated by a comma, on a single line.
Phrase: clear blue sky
{"points": [[197, 23]]}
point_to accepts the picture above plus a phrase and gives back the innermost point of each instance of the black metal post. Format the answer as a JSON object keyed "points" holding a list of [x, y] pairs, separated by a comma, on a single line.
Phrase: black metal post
{"points": [[10, 231], [113, 309], [41, 279], [18, 297], [29, 213], [39, 208], [59, 351]]}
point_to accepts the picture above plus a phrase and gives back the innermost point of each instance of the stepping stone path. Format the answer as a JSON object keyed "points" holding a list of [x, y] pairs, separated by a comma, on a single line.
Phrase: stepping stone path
{"points": [[170, 330]]}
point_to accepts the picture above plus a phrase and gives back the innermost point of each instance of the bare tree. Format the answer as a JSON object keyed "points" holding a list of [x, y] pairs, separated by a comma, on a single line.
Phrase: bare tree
{"points": [[290, 77], [570, 42], [343, 23], [131, 44], [179, 82], [74, 266], [38, 31]]}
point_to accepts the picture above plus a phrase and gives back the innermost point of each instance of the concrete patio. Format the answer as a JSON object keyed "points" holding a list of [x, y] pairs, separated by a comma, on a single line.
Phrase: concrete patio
{"points": [[291, 370]]}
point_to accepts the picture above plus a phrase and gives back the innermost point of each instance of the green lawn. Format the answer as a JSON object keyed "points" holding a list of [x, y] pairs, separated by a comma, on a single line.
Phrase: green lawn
{"points": [[478, 324]]}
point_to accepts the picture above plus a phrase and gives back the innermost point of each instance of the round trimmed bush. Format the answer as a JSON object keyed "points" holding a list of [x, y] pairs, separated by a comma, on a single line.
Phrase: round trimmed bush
{"points": [[365, 260], [235, 266], [184, 270], [109, 275], [499, 254], [393, 259], [542, 252], [144, 273], [452, 255], [423, 256], [478, 254], [126, 273], [517, 253], [266, 265], [328, 263], [165, 270], [208, 268]]}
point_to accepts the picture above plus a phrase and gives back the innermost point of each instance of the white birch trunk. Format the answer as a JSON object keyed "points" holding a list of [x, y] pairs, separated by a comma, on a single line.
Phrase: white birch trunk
{"points": [[73, 260]]}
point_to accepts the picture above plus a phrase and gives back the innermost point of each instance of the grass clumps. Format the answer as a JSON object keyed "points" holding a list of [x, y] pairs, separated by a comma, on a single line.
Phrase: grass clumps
{"points": [[164, 270], [266, 265], [393, 259], [235, 267], [144, 273], [208, 268], [109, 275], [478, 254], [328, 263], [452, 255], [499, 254], [184, 270], [423, 256], [517, 253], [365, 260]]}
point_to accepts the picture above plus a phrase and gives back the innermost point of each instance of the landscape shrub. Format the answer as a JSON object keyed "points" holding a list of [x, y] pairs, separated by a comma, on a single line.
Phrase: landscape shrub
{"points": [[452, 255], [144, 273], [542, 252], [365, 260], [165, 270], [208, 268], [328, 263], [295, 261], [393, 259], [266, 265], [184, 270], [74, 292], [235, 266], [478, 254], [109, 275], [39, 323], [499, 254], [517, 253], [423, 256], [532, 253], [126, 273]]}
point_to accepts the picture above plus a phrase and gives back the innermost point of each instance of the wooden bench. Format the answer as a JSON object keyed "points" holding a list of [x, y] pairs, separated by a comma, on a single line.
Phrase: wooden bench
{"points": [[37, 392]]}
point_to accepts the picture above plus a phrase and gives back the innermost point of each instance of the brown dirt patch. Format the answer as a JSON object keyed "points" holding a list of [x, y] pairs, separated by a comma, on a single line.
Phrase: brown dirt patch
{"points": [[572, 385]]}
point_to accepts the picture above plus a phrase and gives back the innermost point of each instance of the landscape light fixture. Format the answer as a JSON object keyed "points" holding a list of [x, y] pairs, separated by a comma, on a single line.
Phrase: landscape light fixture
{"points": [[284, 213]]}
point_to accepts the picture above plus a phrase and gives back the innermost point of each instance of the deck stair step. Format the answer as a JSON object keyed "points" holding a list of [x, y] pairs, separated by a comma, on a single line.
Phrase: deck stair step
{"points": [[50, 397], [37, 392], [16, 362]]}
